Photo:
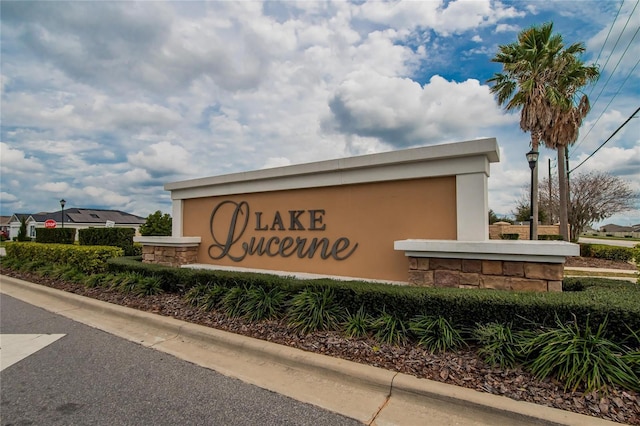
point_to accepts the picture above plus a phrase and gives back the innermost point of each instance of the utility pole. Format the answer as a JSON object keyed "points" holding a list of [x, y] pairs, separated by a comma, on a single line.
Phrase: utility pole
{"points": [[550, 197]]}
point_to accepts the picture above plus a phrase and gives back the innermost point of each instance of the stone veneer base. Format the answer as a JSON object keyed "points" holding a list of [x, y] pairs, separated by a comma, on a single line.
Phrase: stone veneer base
{"points": [[169, 251], [503, 265]]}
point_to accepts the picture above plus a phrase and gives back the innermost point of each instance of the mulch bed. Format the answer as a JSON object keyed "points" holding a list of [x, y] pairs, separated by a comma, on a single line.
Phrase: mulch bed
{"points": [[593, 262], [461, 368]]}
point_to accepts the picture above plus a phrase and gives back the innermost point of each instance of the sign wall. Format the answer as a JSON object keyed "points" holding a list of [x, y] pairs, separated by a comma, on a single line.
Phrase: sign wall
{"points": [[345, 230]]}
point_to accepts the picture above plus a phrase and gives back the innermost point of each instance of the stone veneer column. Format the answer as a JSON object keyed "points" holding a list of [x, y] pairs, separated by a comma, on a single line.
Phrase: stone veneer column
{"points": [[169, 251], [502, 265], [493, 274]]}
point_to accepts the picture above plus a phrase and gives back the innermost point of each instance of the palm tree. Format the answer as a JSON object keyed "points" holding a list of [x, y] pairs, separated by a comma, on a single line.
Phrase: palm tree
{"points": [[525, 84], [567, 117]]}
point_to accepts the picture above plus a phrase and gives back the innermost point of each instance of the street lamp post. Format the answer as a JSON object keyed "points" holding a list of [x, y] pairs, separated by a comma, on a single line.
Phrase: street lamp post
{"points": [[532, 158], [62, 203]]}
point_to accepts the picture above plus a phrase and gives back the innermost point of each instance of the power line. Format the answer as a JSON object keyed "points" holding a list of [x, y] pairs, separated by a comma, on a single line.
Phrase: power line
{"points": [[607, 106], [619, 60], [608, 139], [607, 39]]}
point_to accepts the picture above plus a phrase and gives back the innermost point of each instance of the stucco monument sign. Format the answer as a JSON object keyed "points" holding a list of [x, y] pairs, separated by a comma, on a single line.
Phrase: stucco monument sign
{"points": [[404, 216]]}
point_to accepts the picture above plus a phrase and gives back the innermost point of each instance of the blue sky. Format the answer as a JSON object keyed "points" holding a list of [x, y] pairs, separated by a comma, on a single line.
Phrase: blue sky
{"points": [[104, 102]]}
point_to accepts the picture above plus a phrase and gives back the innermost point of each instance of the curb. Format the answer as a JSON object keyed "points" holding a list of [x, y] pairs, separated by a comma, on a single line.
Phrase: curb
{"points": [[369, 394]]}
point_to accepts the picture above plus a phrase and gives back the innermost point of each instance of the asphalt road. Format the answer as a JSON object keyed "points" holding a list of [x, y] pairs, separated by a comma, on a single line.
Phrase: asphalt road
{"points": [[89, 377]]}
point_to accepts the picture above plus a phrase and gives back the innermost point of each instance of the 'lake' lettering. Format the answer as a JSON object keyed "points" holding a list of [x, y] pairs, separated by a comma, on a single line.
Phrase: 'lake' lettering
{"points": [[232, 247]]}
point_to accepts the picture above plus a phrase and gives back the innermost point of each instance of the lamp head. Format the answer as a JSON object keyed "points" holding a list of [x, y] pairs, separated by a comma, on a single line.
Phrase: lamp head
{"points": [[62, 203], [532, 158]]}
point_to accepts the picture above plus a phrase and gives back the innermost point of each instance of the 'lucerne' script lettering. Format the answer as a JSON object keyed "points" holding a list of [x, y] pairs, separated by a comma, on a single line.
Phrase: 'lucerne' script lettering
{"points": [[230, 245]]}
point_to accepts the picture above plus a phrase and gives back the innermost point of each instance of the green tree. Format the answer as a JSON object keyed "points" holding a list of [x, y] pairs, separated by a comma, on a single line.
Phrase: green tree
{"points": [[540, 78], [567, 112], [493, 218], [157, 224], [522, 212], [22, 232]]}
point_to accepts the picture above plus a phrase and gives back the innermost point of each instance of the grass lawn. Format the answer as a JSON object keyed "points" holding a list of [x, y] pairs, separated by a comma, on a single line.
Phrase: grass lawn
{"points": [[600, 237]]}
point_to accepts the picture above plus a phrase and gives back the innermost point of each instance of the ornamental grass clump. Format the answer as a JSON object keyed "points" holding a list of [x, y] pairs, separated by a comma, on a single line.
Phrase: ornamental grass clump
{"points": [[436, 334], [389, 329], [196, 294], [580, 357], [314, 309], [234, 300], [358, 324], [148, 286], [264, 304], [498, 344], [126, 282], [212, 298], [95, 280]]}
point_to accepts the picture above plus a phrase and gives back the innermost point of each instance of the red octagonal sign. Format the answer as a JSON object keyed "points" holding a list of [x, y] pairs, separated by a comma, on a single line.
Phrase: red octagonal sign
{"points": [[50, 223]]}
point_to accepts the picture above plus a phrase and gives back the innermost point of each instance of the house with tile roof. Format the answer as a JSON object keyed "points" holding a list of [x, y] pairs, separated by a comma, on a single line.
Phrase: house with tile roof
{"points": [[77, 218]]}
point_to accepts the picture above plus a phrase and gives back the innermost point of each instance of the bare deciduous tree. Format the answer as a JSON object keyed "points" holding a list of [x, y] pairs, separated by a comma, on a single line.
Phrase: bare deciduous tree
{"points": [[595, 196]]}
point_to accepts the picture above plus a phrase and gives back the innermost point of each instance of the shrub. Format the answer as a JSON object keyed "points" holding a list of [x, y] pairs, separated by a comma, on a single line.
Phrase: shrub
{"points": [[509, 236], [595, 298], [157, 224], [87, 260], [55, 235], [579, 357], [550, 237], [603, 251], [435, 333], [118, 237]]}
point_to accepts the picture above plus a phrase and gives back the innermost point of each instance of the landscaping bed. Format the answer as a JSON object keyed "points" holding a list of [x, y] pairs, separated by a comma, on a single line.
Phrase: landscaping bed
{"points": [[594, 262], [462, 367]]}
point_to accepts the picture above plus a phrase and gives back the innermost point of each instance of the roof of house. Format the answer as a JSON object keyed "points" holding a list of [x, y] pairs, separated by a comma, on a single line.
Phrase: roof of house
{"points": [[612, 227], [76, 215]]}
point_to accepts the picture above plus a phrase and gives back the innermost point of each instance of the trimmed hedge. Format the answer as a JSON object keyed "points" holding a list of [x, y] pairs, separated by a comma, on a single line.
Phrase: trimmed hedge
{"points": [[509, 236], [56, 235], [589, 299], [86, 259], [550, 237], [603, 251], [118, 237]]}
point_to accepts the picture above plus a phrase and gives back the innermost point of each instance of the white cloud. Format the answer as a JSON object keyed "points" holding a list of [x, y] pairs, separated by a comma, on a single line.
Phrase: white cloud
{"points": [[16, 160], [161, 158], [55, 186], [6, 197], [506, 28], [402, 113]]}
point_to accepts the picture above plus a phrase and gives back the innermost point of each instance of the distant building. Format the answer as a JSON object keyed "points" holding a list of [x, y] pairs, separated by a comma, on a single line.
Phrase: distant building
{"points": [[75, 218], [4, 225], [617, 228]]}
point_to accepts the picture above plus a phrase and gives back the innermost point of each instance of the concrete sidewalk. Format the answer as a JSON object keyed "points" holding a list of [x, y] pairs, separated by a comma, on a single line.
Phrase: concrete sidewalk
{"points": [[616, 274], [371, 395]]}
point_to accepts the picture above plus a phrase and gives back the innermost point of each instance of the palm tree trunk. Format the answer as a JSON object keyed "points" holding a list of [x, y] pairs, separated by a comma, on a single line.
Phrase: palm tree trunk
{"points": [[563, 191]]}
